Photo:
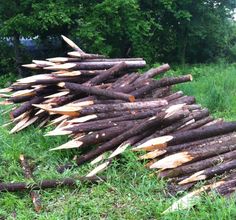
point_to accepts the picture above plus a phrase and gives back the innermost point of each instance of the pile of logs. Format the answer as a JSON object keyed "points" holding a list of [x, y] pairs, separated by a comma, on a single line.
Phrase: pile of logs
{"points": [[106, 106]]}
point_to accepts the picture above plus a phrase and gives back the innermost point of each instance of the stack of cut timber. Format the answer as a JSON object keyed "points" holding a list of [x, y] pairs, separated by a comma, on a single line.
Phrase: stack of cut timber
{"points": [[105, 106]]}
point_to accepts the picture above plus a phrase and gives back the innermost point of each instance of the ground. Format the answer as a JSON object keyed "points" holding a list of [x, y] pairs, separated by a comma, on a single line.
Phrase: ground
{"points": [[131, 191]]}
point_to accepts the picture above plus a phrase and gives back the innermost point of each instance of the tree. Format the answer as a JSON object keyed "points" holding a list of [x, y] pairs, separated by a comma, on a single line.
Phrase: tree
{"points": [[30, 18]]}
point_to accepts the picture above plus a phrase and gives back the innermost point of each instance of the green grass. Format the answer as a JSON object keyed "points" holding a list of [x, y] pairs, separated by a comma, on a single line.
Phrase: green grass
{"points": [[131, 191]]}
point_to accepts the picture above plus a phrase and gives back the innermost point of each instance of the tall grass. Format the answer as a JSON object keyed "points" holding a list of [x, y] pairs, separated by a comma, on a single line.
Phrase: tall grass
{"points": [[214, 86]]}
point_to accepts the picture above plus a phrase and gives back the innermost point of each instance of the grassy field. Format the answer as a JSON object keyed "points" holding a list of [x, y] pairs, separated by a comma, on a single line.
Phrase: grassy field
{"points": [[131, 191]]}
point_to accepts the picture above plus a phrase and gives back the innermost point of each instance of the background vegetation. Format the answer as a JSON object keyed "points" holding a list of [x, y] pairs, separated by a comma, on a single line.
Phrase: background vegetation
{"points": [[199, 34], [171, 31]]}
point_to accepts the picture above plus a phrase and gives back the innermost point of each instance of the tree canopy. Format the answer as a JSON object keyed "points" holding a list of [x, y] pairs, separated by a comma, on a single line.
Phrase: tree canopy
{"points": [[158, 30]]}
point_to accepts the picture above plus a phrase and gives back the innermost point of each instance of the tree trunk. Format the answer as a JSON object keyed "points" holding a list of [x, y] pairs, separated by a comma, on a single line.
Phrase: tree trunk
{"points": [[17, 52]]}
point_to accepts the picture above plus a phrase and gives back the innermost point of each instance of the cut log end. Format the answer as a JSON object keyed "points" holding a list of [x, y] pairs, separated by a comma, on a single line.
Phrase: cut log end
{"points": [[172, 161]]}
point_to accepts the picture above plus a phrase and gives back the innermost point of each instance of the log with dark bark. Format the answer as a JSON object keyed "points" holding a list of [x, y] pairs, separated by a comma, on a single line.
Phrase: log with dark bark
{"points": [[28, 175], [192, 135], [102, 77], [96, 137], [95, 65], [26, 106], [154, 72], [227, 188], [46, 184], [210, 172], [78, 88], [198, 123], [102, 108], [195, 154], [94, 126], [161, 83]]}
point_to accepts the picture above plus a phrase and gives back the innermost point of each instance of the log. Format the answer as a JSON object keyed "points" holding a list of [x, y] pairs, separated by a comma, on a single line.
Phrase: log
{"points": [[107, 74], [161, 83], [76, 59], [94, 138], [102, 108], [199, 143], [192, 135], [210, 172], [199, 165], [95, 65], [227, 187], [94, 126], [28, 175], [46, 184], [195, 154], [96, 91], [26, 106], [120, 86], [154, 72], [161, 92], [188, 100], [198, 123]]}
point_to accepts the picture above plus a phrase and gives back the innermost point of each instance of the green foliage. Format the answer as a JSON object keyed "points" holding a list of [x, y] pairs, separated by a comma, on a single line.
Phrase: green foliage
{"points": [[121, 30], [164, 30], [213, 86]]}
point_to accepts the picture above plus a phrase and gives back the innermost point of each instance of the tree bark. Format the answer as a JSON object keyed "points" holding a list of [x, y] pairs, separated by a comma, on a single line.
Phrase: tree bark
{"points": [[17, 51]]}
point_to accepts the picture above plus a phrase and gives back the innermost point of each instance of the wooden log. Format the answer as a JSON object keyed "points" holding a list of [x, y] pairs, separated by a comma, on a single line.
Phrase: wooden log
{"points": [[174, 96], [192, 135], [121, 85], [227, 188], [198, 123], [154, 72], [199, 143], [28, 175], [189, 100], [72, 44], [195, 154], [46, 184], [200, 114], [210, 172], [96, 91], [20, 99], [161, 83], [76, 59], [102, 108], [94, 138], [95, 65], [161, 92], [26, 106], [107, 74], [94, 126], [85, 55]]}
